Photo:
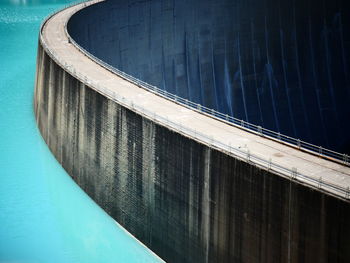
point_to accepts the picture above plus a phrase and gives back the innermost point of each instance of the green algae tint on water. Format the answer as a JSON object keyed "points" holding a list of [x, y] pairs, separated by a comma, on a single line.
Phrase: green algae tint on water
{"points": [[44, 215]]}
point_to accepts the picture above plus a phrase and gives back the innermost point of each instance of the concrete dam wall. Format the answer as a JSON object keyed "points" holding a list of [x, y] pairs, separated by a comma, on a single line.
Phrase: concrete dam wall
{"points": [[283, 65], [184, 199]]}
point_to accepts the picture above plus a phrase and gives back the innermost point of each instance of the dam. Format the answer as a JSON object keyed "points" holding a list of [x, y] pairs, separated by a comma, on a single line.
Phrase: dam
{"points": [[191, 187]]}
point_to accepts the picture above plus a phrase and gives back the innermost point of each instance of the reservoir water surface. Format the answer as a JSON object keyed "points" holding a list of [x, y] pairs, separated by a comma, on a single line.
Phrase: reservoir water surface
{"points": [[44, 215]]}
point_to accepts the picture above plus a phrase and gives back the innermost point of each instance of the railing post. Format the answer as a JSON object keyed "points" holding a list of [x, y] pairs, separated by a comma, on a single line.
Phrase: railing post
{"points": [[226, 117], [347, 193], [248, 155], [294, 173], [242, 123], [298, 143], [345, 158], [260, 130], [269, 164], [320, 183], [320, 150]]}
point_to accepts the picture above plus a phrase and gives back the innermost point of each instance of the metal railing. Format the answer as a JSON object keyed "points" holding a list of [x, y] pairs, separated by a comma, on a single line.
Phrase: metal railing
{"points": [[246, 155], [256, 129]]}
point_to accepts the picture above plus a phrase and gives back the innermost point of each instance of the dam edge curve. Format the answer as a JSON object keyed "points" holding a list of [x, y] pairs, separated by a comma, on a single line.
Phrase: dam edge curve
{"points": [[125, 161]]}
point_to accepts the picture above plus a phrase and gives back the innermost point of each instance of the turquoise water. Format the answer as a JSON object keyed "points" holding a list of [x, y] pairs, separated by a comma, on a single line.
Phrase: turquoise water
{"points": [[44, 216]]}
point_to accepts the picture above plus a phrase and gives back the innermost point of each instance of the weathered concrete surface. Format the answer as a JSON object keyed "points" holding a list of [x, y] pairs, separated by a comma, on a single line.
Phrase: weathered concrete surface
{"points": [[186, 201], [281, 64], [150, 105]]}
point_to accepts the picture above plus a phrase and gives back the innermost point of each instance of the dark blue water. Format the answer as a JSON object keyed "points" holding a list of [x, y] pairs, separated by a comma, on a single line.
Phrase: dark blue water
{"points": [[44, 215]]}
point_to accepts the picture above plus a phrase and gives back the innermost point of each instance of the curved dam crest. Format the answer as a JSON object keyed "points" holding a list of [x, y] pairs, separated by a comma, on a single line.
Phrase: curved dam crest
{"points": [[186, 199]]}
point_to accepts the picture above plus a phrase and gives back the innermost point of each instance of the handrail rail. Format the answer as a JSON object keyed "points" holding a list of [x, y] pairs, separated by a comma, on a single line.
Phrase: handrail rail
{"points": [[292, 174], [301, 145], [256, 129]]}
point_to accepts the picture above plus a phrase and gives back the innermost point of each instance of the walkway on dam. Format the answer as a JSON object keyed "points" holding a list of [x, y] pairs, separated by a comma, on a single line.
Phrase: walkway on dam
{"points": [[189, 122]]}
